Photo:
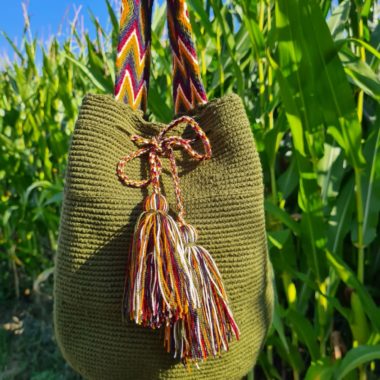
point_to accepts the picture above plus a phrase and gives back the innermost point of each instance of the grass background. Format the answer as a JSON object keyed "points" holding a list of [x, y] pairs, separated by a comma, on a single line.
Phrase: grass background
{"points": [[308, 72]]}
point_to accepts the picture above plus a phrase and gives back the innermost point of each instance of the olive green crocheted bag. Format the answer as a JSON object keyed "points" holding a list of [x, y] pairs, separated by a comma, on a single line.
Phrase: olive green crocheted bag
{"points": [[162, 269]]}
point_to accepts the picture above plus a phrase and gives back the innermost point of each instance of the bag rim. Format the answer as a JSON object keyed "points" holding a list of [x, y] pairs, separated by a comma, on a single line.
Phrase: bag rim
{"points": [[138, 114]]}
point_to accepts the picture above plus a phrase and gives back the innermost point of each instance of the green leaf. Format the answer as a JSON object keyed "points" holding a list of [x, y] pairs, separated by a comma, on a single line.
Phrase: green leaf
{"points": [[13, 45], [278, 238], [349, 278], [366, 8], [35, 185], [338, 19], [340, 220], [287, 181], [330, 171], [371, 186], [322, 369], [282, 216], [270, 371], [255, 34], [358, 321], [316, 79], [273, 138], [220, 12], [361, 74], [87, 72], [197, 6], [279, 325], [304, 331], [354, 358], [293, 356], [96, 66], [367, 46], [375, 43], [112, 15], [159, 19], [308, 195], [115, 24]]}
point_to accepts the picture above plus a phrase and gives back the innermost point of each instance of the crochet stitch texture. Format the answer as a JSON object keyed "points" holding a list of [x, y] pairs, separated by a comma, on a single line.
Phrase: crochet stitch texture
{"points": [[224, 199]]}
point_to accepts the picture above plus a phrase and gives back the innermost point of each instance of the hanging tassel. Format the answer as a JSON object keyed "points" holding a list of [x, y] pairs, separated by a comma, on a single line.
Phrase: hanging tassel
{"points": [[206, 330], [159, 287], [180, 335], [171, 281]]}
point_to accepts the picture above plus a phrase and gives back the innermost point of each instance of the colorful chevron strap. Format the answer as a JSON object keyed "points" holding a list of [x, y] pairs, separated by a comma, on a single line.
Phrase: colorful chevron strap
{"points": [[133, 56], [133, 53]]}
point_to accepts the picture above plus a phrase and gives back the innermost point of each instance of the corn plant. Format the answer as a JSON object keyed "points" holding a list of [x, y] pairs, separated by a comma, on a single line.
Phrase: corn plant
{"points": [[308, 72]]}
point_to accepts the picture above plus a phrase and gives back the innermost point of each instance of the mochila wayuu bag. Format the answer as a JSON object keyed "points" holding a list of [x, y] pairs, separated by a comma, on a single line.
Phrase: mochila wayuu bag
{"points": [[162, 269]]}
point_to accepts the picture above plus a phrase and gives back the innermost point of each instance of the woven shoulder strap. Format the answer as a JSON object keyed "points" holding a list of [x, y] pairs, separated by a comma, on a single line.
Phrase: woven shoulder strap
{"points": [[133, 56]]}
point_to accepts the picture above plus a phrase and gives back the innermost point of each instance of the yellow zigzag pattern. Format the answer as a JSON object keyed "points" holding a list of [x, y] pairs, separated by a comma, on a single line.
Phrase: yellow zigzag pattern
{"points": [[131, 46], [125, 12], [127, 87]]}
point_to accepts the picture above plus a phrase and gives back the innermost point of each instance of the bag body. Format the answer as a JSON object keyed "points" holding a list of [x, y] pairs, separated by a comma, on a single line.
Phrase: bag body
{"points": [[224, 200]]}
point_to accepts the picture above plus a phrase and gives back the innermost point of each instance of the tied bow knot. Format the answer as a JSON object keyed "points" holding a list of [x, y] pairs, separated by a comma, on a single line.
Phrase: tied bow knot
{"points": [[163, 145]]}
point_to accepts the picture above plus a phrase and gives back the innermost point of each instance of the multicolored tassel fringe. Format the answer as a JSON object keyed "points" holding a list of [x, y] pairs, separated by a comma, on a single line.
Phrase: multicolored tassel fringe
{"points": [[214, 315], [158, 268], [171, 281]]}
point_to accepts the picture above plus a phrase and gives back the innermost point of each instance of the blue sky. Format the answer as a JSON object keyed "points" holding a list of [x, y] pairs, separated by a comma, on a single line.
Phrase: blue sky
{"points": [[46, 17]]}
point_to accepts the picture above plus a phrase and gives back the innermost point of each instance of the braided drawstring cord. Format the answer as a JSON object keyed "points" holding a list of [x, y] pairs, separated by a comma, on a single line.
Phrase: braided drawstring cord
{"points": [[163, 146]]}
